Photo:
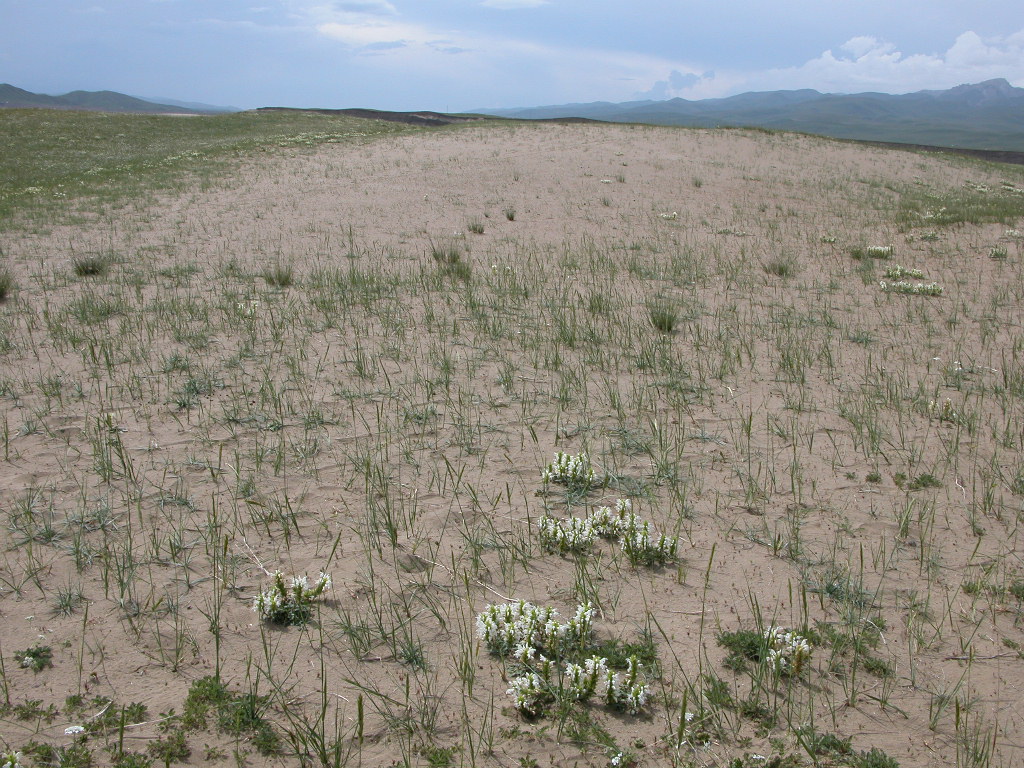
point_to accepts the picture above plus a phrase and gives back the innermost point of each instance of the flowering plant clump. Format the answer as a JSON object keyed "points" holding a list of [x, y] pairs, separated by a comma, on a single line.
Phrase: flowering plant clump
{"points": [[530, 693], [570, 535], [879, 251], [912, 289], [643, 549], [516, 629], [572, 471], [291, 605], [532, 638], [10, 759], [641, 545], [896, 272], [625, 692], [788, 652], [582, 680], [37, 658], [944, 412]]}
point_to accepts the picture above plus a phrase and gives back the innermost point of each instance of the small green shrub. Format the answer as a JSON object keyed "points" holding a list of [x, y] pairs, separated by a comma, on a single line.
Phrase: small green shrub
{"points": [[37, 658], [875, 758]]}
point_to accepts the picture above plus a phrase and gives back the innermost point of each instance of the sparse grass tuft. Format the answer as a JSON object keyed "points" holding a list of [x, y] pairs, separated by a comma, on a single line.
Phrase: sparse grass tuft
{"points": [[7, 283], [279, 275], [90, 266], [663, 314]]}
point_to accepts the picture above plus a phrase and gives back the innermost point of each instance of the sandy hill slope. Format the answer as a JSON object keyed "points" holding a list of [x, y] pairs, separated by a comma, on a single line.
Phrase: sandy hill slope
{"points": [[799, 362]]}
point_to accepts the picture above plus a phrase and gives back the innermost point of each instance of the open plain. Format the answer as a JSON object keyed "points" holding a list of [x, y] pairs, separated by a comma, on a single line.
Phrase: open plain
{"points": [[354, 352]]}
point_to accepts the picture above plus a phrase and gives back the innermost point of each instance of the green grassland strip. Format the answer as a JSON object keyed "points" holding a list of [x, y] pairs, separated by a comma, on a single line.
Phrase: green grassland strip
{"points": [[50, 155]]}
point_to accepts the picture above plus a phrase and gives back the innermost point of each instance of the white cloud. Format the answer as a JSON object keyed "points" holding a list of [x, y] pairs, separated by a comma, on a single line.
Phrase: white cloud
{"points": [[865, 63], [358, 33], [376, 7], [512, 5]]}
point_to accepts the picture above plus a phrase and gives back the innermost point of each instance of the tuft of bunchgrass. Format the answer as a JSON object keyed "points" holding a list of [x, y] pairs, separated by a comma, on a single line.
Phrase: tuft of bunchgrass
{"points": [[90, 266], [7, 283], [279, 275], [663, 314], [451, 262]]}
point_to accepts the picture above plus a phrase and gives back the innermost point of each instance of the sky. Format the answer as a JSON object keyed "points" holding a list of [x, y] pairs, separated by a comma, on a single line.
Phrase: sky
{"points": [[459, 55]]}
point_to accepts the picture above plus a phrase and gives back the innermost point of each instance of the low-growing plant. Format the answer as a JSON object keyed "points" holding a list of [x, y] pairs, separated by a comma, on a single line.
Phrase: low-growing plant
{"points": [[897, 272], [872, 252], [634, 534], [237, 714], [533, 638], [782, 651], [912, 289], [37, 658]]}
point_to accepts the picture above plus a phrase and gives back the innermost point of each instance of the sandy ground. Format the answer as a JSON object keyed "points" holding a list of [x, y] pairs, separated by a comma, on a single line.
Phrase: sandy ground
{"points": [[386, 421]]}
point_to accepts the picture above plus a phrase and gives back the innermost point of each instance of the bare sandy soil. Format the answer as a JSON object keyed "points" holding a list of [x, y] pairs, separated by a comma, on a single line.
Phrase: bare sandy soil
{"points": [[358, 359]]}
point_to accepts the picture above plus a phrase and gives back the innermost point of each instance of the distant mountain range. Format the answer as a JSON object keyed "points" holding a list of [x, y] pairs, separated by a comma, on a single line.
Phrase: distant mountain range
{"points": [[101, 101], [984, 116], [988, 115]]}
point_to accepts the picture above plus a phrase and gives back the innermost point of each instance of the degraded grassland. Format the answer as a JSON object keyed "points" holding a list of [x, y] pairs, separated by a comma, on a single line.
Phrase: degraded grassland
{"points": [[800, 362]]}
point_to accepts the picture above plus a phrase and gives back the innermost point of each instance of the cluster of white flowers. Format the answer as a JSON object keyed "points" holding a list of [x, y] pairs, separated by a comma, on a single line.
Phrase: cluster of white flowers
{"points": [[640, 544], [912, 289], [292, 604], [532, 690], [530, 693], [567, 469], [626, 691], [1014, 234], [574, 534], [787, 651], [828, 239], [10, 759], [517, 628], [582, 680], [896, 272], [531, 635], [998, 252], [879, 251]]}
